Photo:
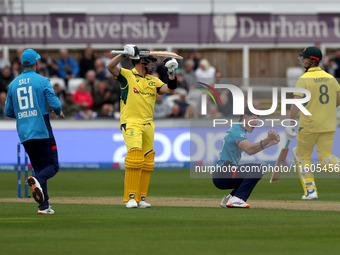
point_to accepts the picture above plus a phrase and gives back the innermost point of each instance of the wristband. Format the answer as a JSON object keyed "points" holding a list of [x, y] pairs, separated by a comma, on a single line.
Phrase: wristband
{"points": [[261, 145], [172, 84]]}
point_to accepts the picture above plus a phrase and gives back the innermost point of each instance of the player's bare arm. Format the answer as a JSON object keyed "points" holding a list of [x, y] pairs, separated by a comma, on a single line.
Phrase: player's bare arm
{"points": [[113, 67], [337, 98], [251, 149], [165, 88], [131, 50]]}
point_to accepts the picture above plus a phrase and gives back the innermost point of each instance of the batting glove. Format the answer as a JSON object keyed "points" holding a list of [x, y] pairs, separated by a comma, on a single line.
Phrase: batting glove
{"points": [[171, 64], [132, 51], [290, 133]]}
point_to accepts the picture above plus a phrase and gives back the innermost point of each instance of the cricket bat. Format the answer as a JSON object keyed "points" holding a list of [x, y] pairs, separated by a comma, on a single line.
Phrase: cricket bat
{"points": [[166, 54], [280, 161]]}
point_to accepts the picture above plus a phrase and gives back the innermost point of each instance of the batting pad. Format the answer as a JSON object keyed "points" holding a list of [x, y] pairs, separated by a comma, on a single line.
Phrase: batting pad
{"points": [[149, 165], [306, 178], [133, 165]]}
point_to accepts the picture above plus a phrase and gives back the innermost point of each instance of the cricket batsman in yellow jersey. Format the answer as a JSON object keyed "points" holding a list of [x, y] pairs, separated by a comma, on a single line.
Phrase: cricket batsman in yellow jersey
{"points": [[319, 127], [138, 96]]}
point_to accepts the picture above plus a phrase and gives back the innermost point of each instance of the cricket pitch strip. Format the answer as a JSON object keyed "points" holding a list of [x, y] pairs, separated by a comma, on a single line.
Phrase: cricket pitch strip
{"points": [[192, 202]]}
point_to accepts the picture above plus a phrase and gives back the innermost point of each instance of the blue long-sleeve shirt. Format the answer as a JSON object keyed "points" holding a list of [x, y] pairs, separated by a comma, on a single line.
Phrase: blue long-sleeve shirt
{"points": [[26, 101], [230, 150], [69, 61]]}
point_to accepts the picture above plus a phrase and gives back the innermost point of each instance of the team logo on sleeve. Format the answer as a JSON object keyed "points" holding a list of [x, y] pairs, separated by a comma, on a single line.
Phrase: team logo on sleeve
{"points": [[135, 90]]}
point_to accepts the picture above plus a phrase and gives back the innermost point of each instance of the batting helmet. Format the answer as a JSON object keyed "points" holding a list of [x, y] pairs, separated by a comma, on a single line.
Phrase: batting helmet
{"points": [[148, 57], [145, 59], [312, 52]]}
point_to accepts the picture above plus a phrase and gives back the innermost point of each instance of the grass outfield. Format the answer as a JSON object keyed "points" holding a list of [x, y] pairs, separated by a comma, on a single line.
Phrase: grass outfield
{"points": [[112, 229], [164, 183]]}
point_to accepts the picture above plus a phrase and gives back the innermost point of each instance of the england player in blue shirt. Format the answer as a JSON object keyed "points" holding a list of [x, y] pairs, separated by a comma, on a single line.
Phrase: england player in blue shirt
{"points": [[26, 101], [241, 178]]}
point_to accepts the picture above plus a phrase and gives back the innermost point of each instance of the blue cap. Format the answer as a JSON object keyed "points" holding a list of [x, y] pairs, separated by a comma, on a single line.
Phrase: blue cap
{"points": [[29, 57]]}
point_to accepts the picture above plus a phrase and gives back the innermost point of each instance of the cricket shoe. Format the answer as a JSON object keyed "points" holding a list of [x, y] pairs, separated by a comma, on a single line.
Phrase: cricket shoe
{"points": [[132, 203], [49, 210], [236, 202], [38, 194], [143, 204], [311, 194], [225, 200]]}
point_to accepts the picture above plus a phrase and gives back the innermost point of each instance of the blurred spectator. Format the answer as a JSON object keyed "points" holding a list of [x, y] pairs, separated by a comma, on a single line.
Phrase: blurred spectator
{"points": [[101, 96], [67, 66], [70, 108], [337, 62], [60, 92], [3, 96], [213, 112], [205, 72], [194, 97], [162, 109], [182, 101], [16, 71], [188, 73], [107, 56], [190, 112], [325, 58], [91, 82], [82, 97], [17, 57], [86, 62], [114, 88], [170, 99], [85, 113], [47, 66], [180, 80], [99, 68], [3, 62], [106, 111], [180, 62], [220, 79], [227, 103], [257, 104], [175, 111], [331, 67], [193, 56], [6, 77]]}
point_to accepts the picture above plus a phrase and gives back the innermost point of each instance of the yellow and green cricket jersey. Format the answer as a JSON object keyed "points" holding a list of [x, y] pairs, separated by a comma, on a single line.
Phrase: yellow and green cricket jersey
{"points": [[322, 105], [138, 96]]}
